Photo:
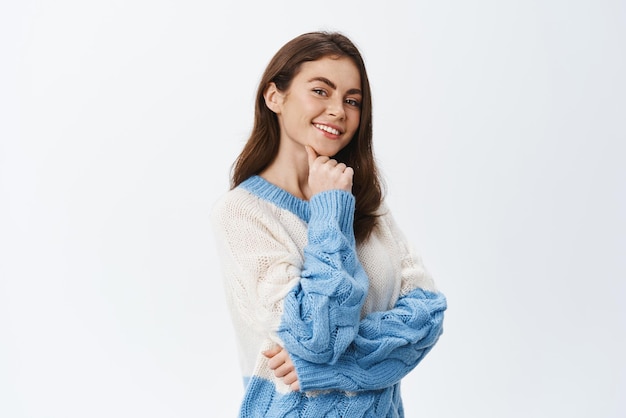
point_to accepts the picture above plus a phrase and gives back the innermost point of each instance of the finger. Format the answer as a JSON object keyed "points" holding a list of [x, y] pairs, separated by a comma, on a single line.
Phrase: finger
{"points": [[311, 154], [295, 386], [322, 159], [272, 351], [284, 370], [275, 362], [290, 378], [346, 178], [342, 167]]}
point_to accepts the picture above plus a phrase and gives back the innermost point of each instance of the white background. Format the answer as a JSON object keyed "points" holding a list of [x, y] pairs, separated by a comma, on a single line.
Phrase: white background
{"points": [[500, 127]]}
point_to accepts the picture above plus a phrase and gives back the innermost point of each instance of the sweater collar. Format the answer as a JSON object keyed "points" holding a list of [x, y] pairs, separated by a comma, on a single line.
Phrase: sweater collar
{"points": [[262, 188]]}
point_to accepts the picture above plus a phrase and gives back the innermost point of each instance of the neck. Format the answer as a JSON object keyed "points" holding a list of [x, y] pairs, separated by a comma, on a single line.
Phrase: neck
{"points": [[290, 171]]}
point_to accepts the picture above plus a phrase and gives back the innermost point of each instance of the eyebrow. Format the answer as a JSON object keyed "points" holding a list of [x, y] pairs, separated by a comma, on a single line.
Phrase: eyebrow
{"points": [[333, 86]]}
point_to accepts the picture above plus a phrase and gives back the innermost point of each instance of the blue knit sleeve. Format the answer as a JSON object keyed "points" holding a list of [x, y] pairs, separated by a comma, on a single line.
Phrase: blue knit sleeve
{"points": [[389, 345], [321, 313]]}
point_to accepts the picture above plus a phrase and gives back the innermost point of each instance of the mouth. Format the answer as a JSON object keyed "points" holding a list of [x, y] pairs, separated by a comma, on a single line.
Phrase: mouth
{"points": [[329, 129]]}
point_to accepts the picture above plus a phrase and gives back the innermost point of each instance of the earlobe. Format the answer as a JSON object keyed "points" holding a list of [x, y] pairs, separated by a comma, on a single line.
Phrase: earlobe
{"points": [[273, 98]]}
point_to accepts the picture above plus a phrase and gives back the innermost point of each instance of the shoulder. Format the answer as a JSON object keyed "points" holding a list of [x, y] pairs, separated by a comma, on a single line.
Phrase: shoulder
{"points": [[233, 200], [236, 204], [245, 211], [388, 230]]}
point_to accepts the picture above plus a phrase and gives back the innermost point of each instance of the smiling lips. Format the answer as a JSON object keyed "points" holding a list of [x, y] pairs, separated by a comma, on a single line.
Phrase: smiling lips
{"points": [[327, 128]]}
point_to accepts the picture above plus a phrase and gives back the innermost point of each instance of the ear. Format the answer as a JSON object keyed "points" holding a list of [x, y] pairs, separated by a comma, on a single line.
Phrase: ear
{"points": [[273, 98]]}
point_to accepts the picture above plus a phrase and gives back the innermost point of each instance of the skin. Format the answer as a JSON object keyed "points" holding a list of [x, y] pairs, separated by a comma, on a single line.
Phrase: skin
{"points": [[324, 96]]}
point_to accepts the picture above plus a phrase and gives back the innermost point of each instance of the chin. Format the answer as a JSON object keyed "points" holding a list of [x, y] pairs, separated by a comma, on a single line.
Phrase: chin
{"points": [[329, 151]]}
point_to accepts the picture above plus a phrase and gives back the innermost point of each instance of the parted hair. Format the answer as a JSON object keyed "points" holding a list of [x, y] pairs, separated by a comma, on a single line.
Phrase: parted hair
{"points": [[262, 145]]}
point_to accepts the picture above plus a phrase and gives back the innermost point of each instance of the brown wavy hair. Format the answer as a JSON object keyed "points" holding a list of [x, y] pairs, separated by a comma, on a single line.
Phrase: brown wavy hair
{"points": [[262, 146]]}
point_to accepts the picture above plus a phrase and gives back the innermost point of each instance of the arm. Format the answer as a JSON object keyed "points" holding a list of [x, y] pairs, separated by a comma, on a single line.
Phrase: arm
{"points": [[279, 292], [389, 344], [322, 312]]}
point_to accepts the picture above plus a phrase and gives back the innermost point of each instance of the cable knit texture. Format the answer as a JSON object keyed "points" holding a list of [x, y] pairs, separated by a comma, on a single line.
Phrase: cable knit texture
{"points": [[354, 319]]}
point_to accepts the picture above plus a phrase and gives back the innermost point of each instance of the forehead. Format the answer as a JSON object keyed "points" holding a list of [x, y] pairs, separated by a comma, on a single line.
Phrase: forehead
{"points": [[341, 71]]}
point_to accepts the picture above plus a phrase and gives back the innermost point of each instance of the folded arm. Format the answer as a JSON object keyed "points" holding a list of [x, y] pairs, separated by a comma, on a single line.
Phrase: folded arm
{"points": [[321, 314], [311, 303], [388, 346]]}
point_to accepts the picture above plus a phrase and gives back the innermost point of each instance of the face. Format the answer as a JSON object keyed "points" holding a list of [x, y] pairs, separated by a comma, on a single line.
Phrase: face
{"points": [[321, 108]]}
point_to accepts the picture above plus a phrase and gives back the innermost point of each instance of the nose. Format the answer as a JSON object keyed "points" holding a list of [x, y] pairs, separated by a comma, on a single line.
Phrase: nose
{"points": [[336, 109]]}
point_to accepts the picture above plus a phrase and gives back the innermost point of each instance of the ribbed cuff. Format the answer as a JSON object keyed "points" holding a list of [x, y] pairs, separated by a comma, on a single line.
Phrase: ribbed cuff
{"points": [[334, 204], [315, 376]]}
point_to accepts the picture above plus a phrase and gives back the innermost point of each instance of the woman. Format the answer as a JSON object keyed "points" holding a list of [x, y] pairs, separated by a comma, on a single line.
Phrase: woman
{"points": [[331, 308]]}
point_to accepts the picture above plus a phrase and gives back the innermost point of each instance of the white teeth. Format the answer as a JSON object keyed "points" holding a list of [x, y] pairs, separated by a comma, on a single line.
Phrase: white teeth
{"points": [[327, 129]]}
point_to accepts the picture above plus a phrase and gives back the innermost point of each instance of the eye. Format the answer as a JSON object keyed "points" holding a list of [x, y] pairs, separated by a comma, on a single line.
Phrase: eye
{"points": [[320, 92], [353, 102]]}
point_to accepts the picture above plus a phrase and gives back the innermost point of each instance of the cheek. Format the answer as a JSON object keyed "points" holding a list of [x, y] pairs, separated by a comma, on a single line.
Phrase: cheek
{"points": [[355, 120], [312, 107]]}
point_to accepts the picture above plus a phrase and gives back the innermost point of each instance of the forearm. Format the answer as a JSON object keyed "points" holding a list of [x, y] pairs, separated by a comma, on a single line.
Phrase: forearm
{"points": [[321, 314], [388, 346]]}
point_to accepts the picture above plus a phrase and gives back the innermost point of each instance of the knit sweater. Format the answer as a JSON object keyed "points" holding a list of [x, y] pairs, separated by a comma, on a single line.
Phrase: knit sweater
{"points": [[355, 319]]}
